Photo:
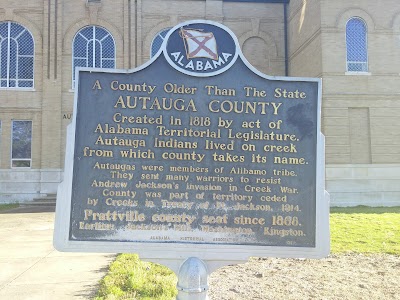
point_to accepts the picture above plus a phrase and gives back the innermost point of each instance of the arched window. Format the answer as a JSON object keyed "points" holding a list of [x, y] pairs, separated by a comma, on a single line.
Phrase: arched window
{"points": [[16, 56], [157, 41], [93, 47], [356, 45]]}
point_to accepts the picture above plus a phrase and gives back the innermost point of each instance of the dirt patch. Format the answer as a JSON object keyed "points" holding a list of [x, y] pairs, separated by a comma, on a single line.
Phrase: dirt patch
{"points": [[345, 276]]}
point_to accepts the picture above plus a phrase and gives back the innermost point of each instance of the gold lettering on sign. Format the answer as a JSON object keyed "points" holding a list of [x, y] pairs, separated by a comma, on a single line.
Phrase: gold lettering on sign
{"points": [[96, 85], [132, 87], [194, 161], [283, 93], [97, 152], [155, 103], [244, 107], [173, 88], [217, 91]]}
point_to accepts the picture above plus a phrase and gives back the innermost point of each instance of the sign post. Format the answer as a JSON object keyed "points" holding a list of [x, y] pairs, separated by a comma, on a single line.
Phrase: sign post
{"points": [[195, 156]]}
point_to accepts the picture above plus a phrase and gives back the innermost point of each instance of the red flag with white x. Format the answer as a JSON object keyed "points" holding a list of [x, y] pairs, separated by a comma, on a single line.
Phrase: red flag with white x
{"points": [[199, 44]]}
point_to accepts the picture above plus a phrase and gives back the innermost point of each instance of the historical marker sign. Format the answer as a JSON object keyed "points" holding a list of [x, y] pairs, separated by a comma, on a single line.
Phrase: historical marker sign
{"points": [[195, 153]]}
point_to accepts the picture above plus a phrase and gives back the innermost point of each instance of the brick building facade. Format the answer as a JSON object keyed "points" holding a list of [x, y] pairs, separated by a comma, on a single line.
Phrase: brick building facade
{"points": [[354, 47]]}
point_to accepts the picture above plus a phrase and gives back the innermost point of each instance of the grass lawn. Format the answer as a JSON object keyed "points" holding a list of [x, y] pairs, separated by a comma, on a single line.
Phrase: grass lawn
{"points": [[365, 229], [131, 278], [358, 229], [8, 206]]}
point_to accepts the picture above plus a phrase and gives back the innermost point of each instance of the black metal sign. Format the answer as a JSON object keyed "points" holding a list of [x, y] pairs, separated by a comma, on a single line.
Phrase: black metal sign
{"points": [[196, 147]]}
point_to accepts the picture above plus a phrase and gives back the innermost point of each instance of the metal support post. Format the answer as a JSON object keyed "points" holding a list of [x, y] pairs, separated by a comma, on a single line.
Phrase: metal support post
{"points": [[192, 280]]}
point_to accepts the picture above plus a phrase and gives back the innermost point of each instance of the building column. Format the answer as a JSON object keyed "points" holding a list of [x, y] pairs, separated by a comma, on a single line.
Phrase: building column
{"points": [[51, 97]]}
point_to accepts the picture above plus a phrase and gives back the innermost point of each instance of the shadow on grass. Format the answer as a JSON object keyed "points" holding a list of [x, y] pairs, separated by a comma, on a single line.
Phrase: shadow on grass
{"points": [[361, 209]]}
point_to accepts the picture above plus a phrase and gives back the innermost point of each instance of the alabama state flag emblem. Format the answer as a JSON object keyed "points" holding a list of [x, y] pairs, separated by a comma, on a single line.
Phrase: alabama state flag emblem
{"points": [[199, 43]]}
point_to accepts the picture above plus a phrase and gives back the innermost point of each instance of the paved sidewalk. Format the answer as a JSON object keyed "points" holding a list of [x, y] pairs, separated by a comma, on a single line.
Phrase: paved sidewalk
{"points": [[30, 268]]}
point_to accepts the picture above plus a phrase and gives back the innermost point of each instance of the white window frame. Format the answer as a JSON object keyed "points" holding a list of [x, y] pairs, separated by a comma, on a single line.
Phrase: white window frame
{"points": [[8, 58], [363, 63], [93, 27], [12, 143]]}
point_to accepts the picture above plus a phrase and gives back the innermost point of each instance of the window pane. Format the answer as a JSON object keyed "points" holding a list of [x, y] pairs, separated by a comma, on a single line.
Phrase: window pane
{"points": [[356, 40], [90, 54], [100, 33], [3, 58], [13, 59], [25, 68], [164, 32], [80, 62], [108, 47], [97, 53], [16, 30], [25, 44], [80, 46], [21, 139], [87, 32], [4, 29], [16, 55], [108, 64], [157, 42], [95, 49], [25, 83], [357, 66], [21, 163]]}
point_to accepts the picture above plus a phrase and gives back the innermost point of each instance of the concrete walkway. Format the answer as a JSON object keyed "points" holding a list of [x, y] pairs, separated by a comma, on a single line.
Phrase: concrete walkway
{"points": [[30, 268]]}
